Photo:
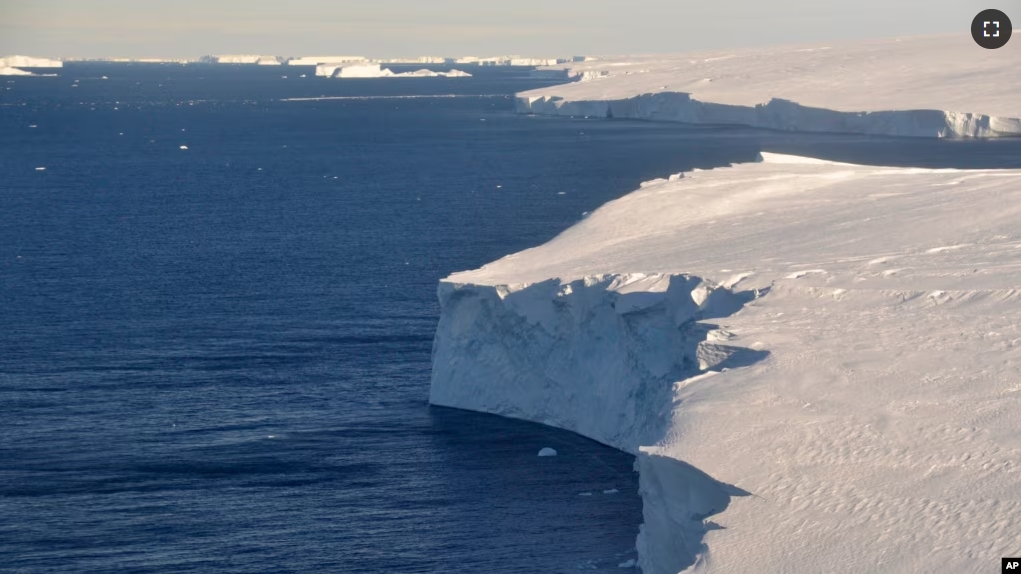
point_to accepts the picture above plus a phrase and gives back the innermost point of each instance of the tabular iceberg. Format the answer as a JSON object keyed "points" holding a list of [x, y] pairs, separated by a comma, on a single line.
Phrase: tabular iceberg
{"points": [[927, 87], [29, 62], [818, 365], [373, 70]]}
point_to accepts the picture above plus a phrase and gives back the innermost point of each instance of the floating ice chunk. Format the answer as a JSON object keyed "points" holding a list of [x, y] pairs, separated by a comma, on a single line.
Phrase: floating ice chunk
{"points": [[547, 451], [584, 494], [629, 564], [611, 491], [184, 147], [40, 169]]}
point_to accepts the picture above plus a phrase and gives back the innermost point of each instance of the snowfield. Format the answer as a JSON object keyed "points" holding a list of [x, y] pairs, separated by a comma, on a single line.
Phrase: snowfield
{"points": [[818, 365], [922, 86]]}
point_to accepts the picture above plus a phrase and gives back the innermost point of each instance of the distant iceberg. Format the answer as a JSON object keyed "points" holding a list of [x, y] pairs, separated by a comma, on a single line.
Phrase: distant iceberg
{"points": [[29, 62], [428, 74], [317, 60], [373, 70], [242, 59]]}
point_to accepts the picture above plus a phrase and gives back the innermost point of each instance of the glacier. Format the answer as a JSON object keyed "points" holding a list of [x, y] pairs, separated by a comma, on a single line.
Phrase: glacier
{"points": [[932, 86], [817, 365]]}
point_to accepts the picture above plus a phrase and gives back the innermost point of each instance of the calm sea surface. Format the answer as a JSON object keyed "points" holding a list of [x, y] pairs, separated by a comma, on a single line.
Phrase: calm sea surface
{"points": [[217, 358]]}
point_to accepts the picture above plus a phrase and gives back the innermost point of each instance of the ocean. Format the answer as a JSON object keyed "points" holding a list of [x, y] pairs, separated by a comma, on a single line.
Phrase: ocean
{"points": [[217, 304]]}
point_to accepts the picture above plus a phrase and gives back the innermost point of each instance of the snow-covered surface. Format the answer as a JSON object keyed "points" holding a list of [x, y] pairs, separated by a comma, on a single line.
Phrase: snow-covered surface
{"points": [[547, 451], [816, 363], [919, 86], [29, 62]]}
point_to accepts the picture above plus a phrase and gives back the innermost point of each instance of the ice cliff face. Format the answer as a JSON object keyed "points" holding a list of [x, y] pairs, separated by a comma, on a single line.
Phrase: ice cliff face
{"points": [[599, 356], [777, 114], [922, 87]]}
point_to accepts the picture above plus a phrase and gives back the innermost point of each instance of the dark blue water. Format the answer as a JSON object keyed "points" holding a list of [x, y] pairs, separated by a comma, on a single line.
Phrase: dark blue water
{"points": [[217, 359]]}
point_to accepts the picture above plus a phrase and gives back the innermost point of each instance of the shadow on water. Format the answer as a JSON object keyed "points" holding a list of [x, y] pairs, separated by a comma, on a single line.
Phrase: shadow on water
{"points": [[518, 497]]}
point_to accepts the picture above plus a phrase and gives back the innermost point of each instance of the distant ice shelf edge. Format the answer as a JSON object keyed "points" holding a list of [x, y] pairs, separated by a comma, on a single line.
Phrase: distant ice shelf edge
{"points": [[777, 114]]}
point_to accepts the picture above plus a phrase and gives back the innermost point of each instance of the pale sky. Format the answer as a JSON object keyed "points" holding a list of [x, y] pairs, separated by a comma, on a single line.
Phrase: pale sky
{"points": [[386, 28]]}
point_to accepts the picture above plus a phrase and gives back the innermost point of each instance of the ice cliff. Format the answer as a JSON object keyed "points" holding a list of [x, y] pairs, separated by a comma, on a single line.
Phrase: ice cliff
{"points": [[925, 86], [817, 365]]}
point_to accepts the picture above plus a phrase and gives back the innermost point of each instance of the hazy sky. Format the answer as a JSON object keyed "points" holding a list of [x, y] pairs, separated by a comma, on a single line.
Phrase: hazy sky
{"points": [[383, 28]]}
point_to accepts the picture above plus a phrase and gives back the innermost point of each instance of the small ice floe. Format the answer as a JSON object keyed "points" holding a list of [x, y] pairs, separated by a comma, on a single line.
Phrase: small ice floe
{"points": [[40, 169], [33, 126], [561, 193], [303, 75], [611, 491], [499, 186], [184, 147], [284, 77], [104, 78], [584, 494], [260, 169], [121, 133], [271, 436], [547, 451], [629, 564]]}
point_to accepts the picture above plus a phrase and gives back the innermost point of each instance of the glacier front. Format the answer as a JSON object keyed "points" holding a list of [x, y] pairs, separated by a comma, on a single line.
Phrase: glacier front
{"points": [[817, 365], [934, 86]]}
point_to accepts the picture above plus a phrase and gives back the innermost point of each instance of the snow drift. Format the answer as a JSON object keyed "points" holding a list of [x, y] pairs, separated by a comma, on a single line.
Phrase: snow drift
{"points": [[924, 87], [818, 365]]}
